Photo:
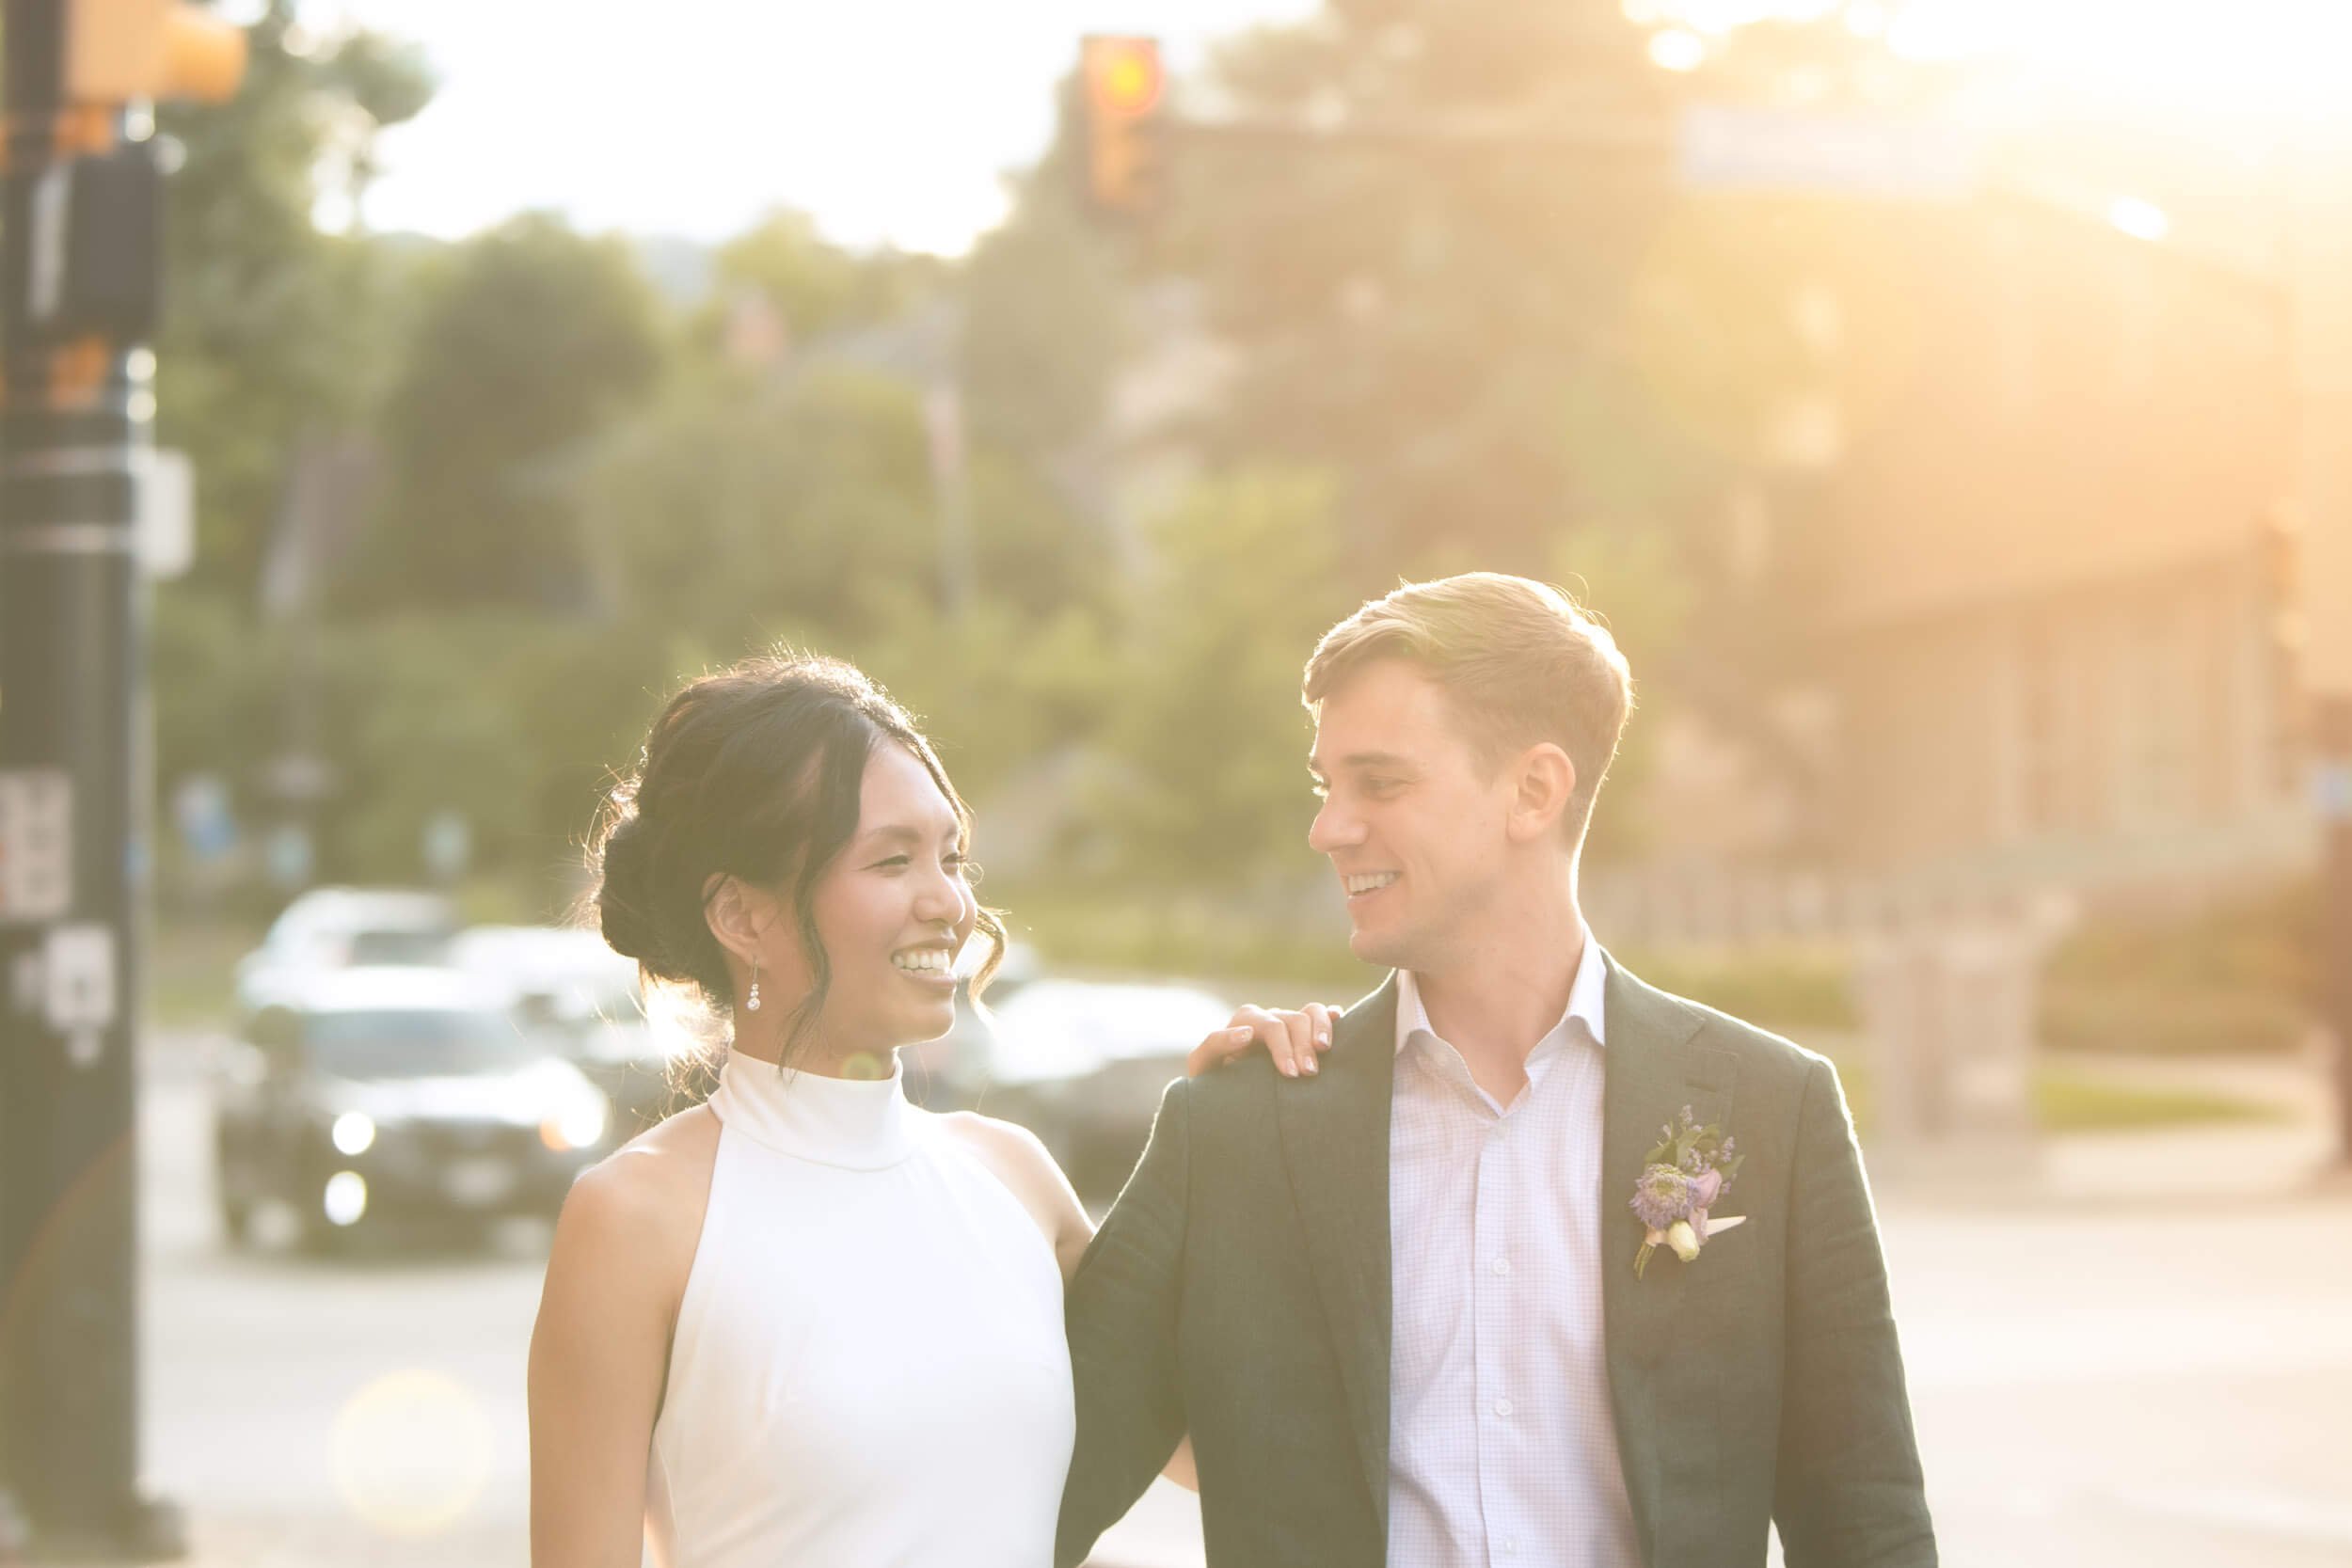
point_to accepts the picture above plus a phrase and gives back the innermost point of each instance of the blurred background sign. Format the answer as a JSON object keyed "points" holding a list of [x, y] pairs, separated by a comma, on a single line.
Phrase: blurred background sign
{"points": [[1876, 156], [166, 514]]}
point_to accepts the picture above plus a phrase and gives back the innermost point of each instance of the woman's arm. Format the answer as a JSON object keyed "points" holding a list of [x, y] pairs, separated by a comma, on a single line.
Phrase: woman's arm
{"points": [[1024, 1164], [599, 1353]]}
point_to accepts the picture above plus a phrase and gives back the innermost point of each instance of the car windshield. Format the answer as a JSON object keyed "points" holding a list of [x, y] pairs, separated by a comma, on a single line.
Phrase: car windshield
{"points": [[1055, 1029], [417, 1042], [398, 947]]}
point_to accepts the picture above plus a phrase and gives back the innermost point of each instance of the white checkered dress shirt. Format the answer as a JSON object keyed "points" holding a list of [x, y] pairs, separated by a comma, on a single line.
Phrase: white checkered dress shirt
{"points": [[1502, 1446]]}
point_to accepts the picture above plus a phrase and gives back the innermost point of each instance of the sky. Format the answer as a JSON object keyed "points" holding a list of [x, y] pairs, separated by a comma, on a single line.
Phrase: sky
{"points": [[894, 120], [887, 121]]}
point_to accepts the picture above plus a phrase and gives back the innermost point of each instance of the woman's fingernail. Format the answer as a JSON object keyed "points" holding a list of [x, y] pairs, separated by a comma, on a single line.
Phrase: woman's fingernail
{"points": [[1312, 1067]]}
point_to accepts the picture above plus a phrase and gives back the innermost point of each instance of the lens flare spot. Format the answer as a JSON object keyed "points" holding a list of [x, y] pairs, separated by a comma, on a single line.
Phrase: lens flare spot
{"points": [[412, 1452], [344, 1197], [866, 1065]]}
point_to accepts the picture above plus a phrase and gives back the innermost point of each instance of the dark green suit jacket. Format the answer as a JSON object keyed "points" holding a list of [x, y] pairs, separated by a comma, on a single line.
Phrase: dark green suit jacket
{"points": [[1240, 1290]]}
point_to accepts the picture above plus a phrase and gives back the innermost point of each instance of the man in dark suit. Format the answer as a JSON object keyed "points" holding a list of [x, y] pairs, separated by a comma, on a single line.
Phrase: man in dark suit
{"points": [[1395, 1302]]}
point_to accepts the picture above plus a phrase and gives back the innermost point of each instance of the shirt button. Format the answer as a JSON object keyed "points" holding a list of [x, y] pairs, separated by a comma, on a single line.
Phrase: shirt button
{"points": [[1503, 1265], [1505, 1407], [1510, 1545]]}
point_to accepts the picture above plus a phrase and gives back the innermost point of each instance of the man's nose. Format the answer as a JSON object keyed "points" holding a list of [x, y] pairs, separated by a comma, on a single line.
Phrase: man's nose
{"points": [[1333, 828]]}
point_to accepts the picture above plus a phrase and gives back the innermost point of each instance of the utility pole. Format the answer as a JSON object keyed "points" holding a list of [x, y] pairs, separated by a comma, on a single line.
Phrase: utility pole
{"points": [[79, 264], [2315, 245]]}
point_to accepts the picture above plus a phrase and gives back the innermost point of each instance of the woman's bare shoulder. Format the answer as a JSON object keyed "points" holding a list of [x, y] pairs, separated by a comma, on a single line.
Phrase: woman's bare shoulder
{"points": [[1020, 1160], [1017, 1154], [645, 1199]]}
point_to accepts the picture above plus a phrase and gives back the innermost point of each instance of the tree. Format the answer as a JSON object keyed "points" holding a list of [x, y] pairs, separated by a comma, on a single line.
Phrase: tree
{"points": [[812, 285], [272, 328], [530, 342], [1205, 721]]}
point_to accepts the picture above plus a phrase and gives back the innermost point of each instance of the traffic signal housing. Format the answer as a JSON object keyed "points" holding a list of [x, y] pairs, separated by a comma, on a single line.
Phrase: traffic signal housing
{"points": [[1122, 84], [121, 50]]}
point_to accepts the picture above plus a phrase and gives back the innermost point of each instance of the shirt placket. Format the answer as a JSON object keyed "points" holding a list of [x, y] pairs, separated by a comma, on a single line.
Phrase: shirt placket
{"points": [[1494, 1292]]}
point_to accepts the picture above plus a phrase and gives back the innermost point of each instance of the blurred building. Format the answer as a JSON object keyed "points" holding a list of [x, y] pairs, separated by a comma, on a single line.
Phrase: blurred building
{"points": [[2056, 627]]}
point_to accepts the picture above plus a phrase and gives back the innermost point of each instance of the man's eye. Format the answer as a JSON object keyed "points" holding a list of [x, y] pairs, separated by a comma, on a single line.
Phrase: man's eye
{"points": [[1379, 787]]}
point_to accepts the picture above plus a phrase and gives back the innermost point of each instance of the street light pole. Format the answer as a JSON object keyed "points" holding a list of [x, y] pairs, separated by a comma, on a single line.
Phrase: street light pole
{"points": [[80, 210], [74, 421]]}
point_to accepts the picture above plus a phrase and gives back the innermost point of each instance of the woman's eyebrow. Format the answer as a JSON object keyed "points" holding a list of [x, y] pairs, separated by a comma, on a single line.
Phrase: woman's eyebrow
{"points": [[900, 832]]}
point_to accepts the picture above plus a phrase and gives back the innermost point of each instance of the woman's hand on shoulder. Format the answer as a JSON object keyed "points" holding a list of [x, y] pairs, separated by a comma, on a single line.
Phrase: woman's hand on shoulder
{"points": [[1293, 1038]]}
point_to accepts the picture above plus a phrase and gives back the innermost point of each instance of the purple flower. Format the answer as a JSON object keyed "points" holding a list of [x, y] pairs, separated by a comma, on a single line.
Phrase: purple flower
{"points": [[1704, 1190], [1662, 1196]]}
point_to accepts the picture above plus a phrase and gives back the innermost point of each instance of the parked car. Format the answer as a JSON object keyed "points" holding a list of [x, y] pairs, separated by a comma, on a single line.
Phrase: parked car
{"points": [[337, 928], [566, 981], [372, 1094], [1082, 1063], [952, 1072]]}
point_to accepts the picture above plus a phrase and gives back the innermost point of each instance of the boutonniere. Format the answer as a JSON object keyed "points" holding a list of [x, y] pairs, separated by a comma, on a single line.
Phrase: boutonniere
{"points": [[1681, 1179]]}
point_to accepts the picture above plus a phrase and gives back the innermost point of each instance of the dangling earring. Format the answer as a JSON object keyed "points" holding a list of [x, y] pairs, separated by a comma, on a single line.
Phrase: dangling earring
{"points": [[751, 1003]]}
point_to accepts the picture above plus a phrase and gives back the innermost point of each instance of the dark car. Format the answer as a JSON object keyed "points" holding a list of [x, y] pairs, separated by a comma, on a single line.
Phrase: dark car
{"points": [[566, 979], [375, 1095], [1082, 1063]]}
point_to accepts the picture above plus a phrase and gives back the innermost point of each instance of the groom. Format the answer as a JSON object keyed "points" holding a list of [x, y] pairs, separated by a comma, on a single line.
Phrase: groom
{"points": [[1396, 1303]]}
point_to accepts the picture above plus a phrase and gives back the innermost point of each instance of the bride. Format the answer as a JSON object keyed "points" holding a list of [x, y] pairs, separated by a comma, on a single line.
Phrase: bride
{"points": [[806, 1323]]}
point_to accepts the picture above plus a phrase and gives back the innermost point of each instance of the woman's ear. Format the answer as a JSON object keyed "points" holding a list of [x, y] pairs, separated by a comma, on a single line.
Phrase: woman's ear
{"points": [[739, 915]]}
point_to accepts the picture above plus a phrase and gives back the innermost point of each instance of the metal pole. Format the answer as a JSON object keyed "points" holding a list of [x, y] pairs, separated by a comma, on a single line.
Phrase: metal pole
{"points": [[2333, 737], [75, 422]]}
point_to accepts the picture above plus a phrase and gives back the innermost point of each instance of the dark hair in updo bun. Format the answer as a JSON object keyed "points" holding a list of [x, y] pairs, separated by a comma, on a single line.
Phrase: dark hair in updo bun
{"points": [[753, 772]]}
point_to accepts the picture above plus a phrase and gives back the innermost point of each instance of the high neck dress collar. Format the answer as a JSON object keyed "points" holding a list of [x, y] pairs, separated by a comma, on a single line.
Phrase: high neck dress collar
{"points": [[857, 1124]]}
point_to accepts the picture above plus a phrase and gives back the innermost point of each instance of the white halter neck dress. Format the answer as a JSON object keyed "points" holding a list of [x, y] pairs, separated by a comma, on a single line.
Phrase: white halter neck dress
{"points": [[869, 1369]]}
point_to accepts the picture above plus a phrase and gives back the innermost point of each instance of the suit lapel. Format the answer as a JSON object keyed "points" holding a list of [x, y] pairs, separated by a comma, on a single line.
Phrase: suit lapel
{"points": [[1655, 1068], [1335, 1142]]}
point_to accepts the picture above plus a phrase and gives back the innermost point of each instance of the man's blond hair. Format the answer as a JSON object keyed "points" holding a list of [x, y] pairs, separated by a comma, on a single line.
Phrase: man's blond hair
{"points": [[1520, 660]]}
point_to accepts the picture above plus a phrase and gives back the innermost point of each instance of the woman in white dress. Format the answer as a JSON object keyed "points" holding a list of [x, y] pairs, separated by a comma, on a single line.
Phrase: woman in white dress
{"points": [[806, 1323]]}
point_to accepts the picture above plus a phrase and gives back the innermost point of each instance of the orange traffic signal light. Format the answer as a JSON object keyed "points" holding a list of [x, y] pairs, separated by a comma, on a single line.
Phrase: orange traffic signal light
{"points": [[1123, 84], [119, 50]]}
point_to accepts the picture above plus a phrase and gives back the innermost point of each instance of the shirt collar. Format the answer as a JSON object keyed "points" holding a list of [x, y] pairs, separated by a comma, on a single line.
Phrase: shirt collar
{"points": [[1585, 993]]}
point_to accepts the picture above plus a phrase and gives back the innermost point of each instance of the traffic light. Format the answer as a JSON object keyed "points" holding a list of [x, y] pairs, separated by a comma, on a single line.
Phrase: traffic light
{"points": [[119, 50], [93, 259], [1122, 84]]}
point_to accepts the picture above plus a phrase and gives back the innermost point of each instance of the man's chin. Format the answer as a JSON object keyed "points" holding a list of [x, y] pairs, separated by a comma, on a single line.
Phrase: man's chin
{"points": [[1382, 949]]}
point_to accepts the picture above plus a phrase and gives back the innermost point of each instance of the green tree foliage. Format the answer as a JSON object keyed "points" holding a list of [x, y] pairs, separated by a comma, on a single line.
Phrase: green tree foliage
{"points": [[1420, 319], [1045, 327], [529, 341], [1205, 720], [271, 327], [814, 285]]}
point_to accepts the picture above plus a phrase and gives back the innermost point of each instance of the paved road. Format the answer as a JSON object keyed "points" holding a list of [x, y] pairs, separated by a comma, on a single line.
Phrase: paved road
{"points": [[2160, 1383]]}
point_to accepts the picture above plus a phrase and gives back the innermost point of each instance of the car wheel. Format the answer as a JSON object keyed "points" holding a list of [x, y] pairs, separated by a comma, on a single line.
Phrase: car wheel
{"points": [[236, 1219], [231, 1197]]}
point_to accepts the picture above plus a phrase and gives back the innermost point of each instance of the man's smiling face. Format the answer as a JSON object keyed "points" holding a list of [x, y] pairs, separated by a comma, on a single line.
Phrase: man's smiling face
{"points": [[1412, 817]]}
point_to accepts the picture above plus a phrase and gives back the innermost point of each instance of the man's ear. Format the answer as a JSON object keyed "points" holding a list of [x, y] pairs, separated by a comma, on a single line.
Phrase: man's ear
{"points": [[739, 915], [1543, 781]]}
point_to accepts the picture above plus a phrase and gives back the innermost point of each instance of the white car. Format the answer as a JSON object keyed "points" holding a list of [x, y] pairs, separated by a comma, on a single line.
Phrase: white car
{"points": [[336, 927]]}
